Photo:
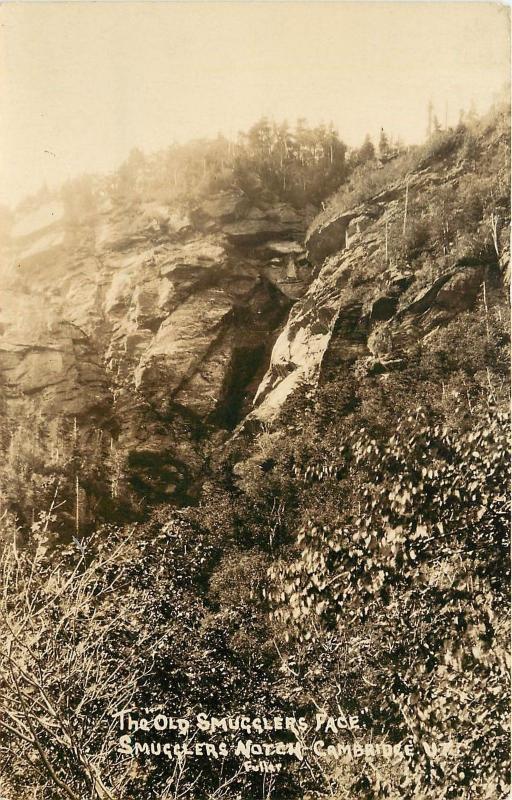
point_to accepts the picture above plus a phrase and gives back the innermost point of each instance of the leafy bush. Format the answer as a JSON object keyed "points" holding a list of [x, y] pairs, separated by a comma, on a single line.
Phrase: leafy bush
{"points": [[413, 576]]}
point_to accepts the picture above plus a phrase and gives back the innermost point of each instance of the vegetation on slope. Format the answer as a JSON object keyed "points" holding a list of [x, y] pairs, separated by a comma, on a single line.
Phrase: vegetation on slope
{"points": [[355, 559]]}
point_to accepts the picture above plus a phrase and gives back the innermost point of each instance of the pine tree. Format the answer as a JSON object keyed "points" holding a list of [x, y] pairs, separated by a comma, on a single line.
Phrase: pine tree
{"points": [[383, 144], [367, 150]]}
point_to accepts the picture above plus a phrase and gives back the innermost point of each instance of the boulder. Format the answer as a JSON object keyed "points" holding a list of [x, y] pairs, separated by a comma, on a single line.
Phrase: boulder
{"points": [[399, 280], [459, 292], [179, 348]]}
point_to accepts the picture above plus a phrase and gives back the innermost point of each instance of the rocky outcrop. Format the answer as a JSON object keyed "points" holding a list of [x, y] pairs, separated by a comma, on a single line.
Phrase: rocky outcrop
{"points": [[153, 321], [276, 222], [63, 370], [360, 310], [172, 326], [328, 236]]}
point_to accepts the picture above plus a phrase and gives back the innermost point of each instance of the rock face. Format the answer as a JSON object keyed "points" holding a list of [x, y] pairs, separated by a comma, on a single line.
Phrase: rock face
{"points": [[155, 322], [171, 326], [328, 236], [360, 309], [63, 370]]}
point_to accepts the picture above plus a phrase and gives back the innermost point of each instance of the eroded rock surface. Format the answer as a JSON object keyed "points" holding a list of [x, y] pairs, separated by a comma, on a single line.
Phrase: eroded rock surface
{"points": [[171, 326], [359, 309], [154, 321]]}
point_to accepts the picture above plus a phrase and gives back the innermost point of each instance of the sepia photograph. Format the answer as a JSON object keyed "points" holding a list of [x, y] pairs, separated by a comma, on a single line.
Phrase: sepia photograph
{"points": [[255, 400]]}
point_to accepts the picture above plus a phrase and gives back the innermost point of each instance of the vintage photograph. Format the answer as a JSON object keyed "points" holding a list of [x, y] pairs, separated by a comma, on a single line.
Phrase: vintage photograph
{"points": [[254, 400]]}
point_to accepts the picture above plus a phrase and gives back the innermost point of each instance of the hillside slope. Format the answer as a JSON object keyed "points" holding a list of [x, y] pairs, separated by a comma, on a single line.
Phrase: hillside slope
{"points": [[255, 461], [397, 267]]}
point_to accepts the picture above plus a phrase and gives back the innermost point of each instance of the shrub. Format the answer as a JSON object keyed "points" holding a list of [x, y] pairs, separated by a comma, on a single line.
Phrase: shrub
{"points": [[119, 621], [413, 577], [440, 145]]}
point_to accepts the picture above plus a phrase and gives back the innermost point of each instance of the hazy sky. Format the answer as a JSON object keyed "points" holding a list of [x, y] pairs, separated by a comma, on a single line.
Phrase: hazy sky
{"points": [[83, 83]]}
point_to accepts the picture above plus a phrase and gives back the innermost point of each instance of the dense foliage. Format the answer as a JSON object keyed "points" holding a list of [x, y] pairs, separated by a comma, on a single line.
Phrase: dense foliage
{"points": [[124, 621], [300, 164], [56, 476], [410, 579]]}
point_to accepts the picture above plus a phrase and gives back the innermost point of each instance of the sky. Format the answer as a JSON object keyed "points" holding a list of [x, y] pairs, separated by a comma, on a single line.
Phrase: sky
{"points": [[82, 83]]}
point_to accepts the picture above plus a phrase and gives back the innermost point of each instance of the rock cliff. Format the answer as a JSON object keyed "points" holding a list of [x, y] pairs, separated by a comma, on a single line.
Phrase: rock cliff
{"points": [[372, 302], [166, 326], [150, 322]]}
